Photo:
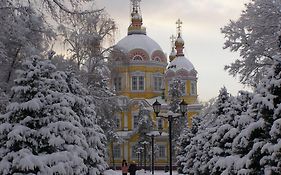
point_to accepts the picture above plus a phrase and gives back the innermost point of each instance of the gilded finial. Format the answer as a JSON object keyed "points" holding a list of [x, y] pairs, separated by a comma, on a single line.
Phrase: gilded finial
{"points": [[173, 39], [179, 23]]}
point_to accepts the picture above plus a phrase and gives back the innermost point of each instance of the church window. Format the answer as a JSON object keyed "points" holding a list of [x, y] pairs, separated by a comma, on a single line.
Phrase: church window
{"points": [[117, 83], [157, 83], [137, 83], [157, 59], [193, 88], [183, 88], [134, 153], [162, 151], [117, 151], [117, 120], [137, 58], [135, 121]]}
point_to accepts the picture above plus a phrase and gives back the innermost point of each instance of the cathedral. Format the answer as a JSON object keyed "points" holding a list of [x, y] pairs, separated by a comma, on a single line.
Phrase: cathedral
{"points": [[143, 74]]}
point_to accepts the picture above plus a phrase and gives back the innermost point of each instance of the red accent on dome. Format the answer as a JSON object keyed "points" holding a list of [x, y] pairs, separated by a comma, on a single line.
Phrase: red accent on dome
{"points": [[160, 55], [138, 52]]}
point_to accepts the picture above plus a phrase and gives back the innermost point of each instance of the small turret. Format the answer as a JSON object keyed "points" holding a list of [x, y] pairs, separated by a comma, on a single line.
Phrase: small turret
{"points": [[179, 41], [173, 53], [136, 19]]}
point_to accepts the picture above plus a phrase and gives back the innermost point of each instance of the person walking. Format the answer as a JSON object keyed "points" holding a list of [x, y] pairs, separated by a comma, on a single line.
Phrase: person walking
{"points": [[124, 167], [133, 168]]}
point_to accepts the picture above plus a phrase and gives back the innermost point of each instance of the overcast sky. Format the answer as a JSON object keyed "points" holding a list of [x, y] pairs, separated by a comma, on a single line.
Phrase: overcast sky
{"points": [[202, 20]]}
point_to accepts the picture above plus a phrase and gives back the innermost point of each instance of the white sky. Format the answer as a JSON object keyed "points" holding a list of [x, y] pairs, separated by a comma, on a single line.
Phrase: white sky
{"points": [[202, 20]]}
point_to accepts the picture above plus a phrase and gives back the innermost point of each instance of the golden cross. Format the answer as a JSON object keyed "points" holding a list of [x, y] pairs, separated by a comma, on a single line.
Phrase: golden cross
{"points": [[135, 3], [179, 23], [173, 39]]}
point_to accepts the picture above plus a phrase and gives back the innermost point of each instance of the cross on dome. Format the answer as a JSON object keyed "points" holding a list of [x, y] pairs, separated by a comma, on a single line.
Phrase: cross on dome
{"points": [[136, 5], [179, 23], [173, 39]]}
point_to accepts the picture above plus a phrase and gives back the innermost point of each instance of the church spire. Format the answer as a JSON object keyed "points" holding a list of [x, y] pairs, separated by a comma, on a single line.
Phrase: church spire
{"points": [[136, 19], [173, 53], [179, 41]]}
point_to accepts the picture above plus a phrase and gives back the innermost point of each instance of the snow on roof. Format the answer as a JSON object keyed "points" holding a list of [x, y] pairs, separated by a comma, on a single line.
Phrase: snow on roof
{"points": [[181, 62], [159, 99], [138, 41]]}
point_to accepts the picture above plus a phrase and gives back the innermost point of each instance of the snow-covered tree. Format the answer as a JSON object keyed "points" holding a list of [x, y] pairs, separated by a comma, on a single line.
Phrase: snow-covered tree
{"points": [[210, 141], [145, 123], [258, 144], [255, 36], [4, 100], [83, 35], [23, 33], [50, 125]]}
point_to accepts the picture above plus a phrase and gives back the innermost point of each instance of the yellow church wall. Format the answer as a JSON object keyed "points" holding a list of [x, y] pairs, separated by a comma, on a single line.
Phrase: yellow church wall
{"points": [[140, 68]]}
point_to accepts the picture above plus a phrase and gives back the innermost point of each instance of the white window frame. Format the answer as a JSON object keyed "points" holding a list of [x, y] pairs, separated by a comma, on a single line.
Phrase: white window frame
{"points": [[156, 83], [134, 116], [118, 154], [138, 75]]}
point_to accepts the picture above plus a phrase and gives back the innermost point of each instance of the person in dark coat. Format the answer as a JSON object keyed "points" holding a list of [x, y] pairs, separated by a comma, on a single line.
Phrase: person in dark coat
{"points": [[133, 168]]}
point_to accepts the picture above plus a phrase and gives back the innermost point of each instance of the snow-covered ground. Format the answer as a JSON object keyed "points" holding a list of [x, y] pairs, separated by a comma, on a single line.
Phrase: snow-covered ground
{"points": [[140, 172]]}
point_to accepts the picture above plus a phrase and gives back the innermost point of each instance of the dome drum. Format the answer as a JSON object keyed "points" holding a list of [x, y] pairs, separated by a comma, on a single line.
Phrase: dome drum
{"points": [[142, 46], [138, 55], [184, 74]]}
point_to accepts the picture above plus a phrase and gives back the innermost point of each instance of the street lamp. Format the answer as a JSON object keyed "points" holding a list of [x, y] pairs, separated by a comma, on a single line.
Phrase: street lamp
{"points": [[170, 117], [152, 134], [156, 107]]}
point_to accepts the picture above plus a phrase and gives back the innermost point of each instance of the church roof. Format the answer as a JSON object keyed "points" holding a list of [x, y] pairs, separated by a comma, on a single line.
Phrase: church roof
{"points": [[180, 62], [138, 41]]}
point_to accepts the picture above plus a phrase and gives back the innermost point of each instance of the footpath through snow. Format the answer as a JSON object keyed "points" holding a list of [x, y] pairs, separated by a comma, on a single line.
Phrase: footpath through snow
{"points": [[140, 172]]}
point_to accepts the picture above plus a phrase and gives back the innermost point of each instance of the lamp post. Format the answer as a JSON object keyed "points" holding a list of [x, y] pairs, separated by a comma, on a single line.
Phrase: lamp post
{"points": [[170, 117], [153, 134]]}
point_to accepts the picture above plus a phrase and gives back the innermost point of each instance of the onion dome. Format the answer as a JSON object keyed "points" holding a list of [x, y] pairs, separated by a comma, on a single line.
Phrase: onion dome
{"points": [[136, 19], [180, 65], [179, 45], [141, 45], [172, 55], [137, 45]]}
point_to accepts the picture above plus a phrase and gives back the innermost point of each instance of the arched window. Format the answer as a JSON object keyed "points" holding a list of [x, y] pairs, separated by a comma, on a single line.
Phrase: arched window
{"points": [[157, 59], [137, 58]]}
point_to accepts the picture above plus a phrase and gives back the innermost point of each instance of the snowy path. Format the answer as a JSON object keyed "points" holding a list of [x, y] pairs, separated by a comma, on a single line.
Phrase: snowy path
{"points": [[141, 172]]}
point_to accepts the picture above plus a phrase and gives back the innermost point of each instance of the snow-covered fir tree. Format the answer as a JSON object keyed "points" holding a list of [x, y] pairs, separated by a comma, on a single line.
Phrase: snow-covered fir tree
{"points": [[257, 147], [212, 135], [255, 35], [49, 127]]}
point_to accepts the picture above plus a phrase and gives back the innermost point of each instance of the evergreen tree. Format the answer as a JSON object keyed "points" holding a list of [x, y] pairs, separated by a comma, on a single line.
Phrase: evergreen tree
{"points": [[255, 35], [49, 128], [258, 144], [211, 141]]}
